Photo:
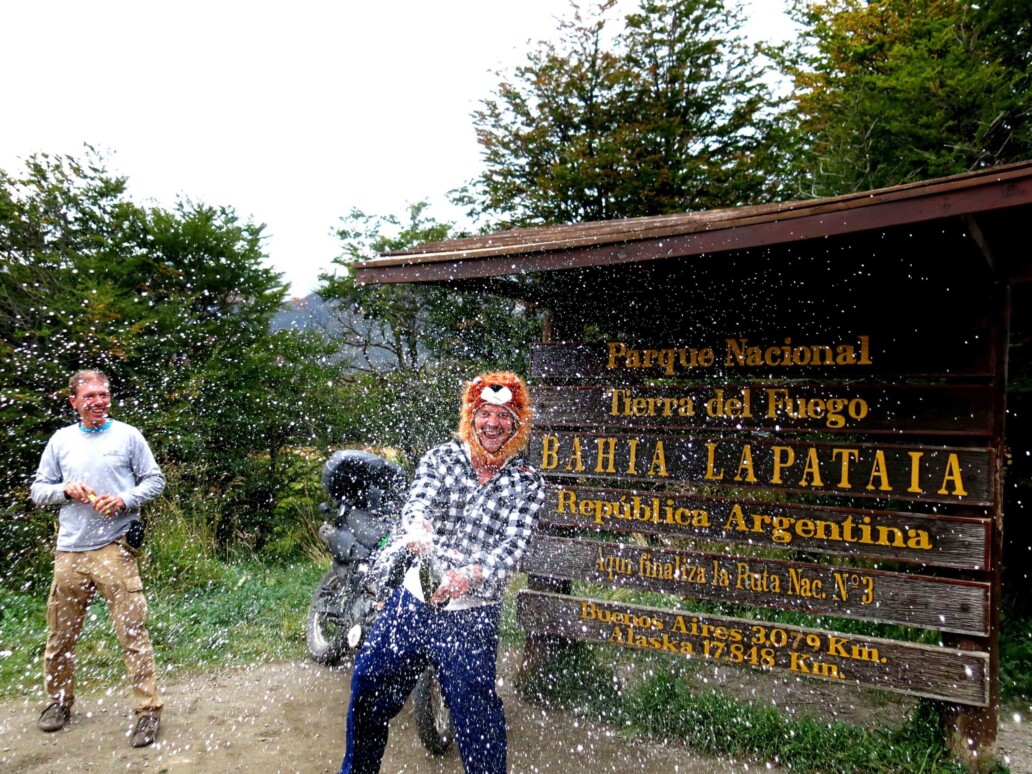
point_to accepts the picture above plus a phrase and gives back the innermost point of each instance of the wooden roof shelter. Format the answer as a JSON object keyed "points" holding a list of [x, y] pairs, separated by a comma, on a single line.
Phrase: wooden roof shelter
{"points": [[914, 288], [991, 208]]}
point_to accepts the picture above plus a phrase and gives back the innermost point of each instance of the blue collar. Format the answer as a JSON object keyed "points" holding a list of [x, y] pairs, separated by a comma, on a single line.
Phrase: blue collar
{"points": [[92, 430]]}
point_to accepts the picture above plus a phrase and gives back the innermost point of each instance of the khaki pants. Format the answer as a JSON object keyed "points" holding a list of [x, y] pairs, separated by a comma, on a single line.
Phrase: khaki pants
{"points": [[78, 575]]}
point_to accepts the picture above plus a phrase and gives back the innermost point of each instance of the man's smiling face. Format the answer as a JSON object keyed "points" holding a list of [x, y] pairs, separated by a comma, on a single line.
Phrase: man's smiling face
{"points": [[92, 402], [494, 426]]}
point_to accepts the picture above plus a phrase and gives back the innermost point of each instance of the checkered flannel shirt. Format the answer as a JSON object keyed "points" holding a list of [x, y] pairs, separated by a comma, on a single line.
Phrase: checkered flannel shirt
{"points": [[489, 525]]}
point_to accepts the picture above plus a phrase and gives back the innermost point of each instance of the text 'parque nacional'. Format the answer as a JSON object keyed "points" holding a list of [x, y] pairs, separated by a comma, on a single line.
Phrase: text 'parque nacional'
{"points": [[739, 353]]}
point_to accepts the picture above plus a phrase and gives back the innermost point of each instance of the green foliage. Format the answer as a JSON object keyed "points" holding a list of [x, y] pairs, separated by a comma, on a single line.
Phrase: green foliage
{"points": [[26, 538], [407, 326], [1016, 656], [408, 410], [410, 348], [175, 305], [254, 614], [244, 613], [717, 725], [255, 422], [381, 323], [574, 680], [669, 113], [180, 551], [898, 90], [663, 705]]}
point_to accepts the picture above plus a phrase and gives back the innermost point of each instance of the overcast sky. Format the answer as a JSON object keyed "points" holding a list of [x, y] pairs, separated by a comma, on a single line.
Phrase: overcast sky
{"points": [[291, 113]]}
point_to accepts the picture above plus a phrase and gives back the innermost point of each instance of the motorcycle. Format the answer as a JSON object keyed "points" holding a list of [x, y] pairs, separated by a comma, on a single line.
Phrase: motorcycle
{"points": [[367, 493]]}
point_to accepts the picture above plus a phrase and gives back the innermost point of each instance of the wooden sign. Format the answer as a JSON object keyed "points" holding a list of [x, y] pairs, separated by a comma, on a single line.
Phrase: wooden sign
{"points": [[920, 670], [831, 408], [917, 473], [849, 592], [960, 348], [769, 443], [896, 536]]}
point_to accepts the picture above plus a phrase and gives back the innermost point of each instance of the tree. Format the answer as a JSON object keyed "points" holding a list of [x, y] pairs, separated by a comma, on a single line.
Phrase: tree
{"points": [[408, 347], [175, 306], [243, 419], [61, 226], [381, 327], [669, 113], [899, 90], [705, 135], [389, 327]]}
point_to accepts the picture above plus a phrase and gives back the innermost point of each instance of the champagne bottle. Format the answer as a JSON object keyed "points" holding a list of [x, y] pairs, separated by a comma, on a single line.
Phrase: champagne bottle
{"points": [[428, 579]]}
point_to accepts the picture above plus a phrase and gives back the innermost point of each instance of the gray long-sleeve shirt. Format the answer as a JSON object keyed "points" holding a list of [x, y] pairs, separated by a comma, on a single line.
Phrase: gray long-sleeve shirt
{"points": [[115, 461]]}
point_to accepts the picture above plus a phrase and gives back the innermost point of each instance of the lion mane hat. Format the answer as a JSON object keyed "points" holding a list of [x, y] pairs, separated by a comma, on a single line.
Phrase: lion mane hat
{"points": [[496, 388]]}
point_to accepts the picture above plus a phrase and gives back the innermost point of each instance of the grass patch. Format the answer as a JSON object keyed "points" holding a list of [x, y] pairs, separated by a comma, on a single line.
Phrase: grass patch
{"points": [[245, 613], [663, 705], [1015, 658], [716, 725], [209, 613], [255, 614], [574, 680]]}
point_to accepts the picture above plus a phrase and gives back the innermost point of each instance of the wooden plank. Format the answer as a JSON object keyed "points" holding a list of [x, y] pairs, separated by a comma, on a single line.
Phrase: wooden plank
{"points": [[924, 539], [890, 472], [538, 238], [933, 672], [702, 234], [849, 592], [961, 410], [971, 732], [946, 348]]}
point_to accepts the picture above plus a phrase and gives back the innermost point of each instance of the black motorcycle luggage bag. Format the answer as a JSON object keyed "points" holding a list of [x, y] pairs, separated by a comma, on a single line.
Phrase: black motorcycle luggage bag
{"points": [[369, 529], [363, 480]]}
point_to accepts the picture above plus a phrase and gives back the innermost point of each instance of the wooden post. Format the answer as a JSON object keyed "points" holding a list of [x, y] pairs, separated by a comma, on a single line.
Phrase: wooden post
{"points": [[971, 731], [539, 649]]}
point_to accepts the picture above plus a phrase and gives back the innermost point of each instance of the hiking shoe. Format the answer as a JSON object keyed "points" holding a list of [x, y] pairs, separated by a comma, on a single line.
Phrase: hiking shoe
{"points": [[146, 731], [55, 717]]}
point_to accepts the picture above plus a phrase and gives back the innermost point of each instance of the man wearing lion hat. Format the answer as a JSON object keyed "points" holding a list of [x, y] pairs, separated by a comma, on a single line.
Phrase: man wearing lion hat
{"points": [[470, 514]]}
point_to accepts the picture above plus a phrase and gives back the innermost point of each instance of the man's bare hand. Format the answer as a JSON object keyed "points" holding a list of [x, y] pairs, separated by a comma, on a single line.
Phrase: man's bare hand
{"points": [[108, 504], [419, 538], [80, 491], [454, 585]]}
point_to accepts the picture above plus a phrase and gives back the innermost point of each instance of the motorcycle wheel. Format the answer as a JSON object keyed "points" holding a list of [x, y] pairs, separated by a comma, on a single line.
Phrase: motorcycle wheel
{"points": [[432, 716], [327, 638]]}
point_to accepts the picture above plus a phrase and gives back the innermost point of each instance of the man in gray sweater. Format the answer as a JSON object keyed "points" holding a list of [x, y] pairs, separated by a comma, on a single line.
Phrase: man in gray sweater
{"points": [[99, 472]]}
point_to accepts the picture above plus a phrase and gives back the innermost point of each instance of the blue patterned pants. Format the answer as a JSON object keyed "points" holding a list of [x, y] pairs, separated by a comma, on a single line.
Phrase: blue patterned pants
{"points": [[406, 637]]}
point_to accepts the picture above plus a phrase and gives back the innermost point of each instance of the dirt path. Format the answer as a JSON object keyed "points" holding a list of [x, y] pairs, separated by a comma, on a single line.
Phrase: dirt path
{"points": [[290, 718]]}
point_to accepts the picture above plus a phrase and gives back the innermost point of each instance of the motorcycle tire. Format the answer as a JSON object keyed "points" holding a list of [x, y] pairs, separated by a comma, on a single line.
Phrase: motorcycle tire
{"points": [[327, 641], [433, 720]]}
